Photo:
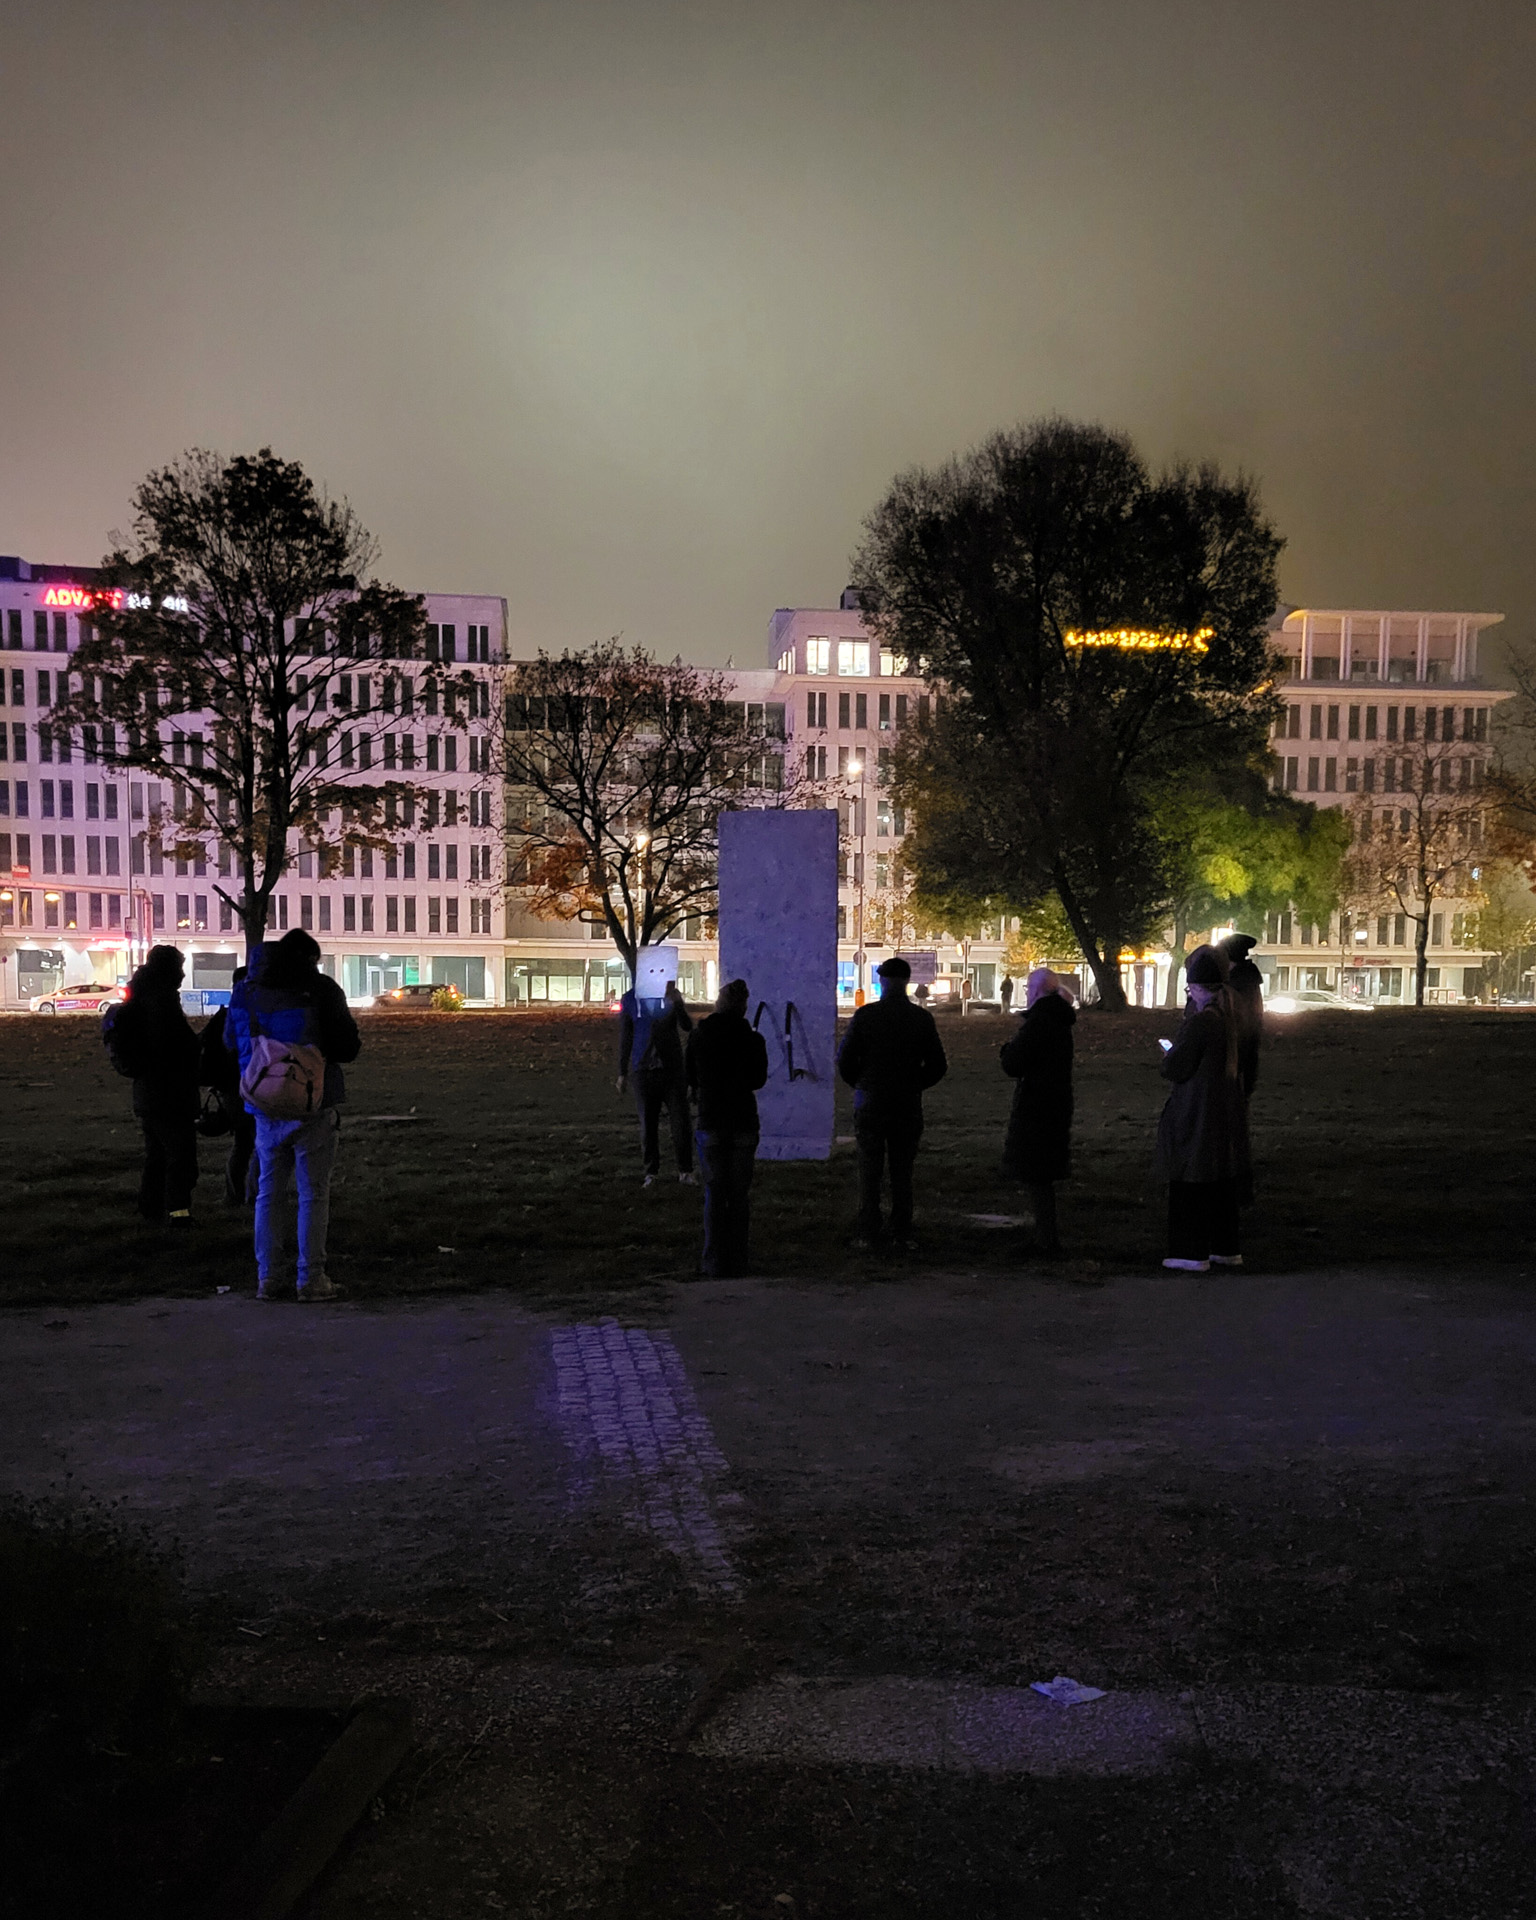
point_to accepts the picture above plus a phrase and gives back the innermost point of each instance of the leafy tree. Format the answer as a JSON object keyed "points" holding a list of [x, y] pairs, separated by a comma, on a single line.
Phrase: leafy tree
{"points": [[1421, 843], [618, 768], [1241, 859], [1092, 630], [1503, 925], [242, 604], [1044, 935]]}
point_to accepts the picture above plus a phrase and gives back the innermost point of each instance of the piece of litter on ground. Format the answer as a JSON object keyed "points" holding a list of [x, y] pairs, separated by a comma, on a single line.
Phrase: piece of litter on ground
{"points": [[996, 1219], [221, 1289], [1065, 1692], [447, 1249], [384, 1119]]}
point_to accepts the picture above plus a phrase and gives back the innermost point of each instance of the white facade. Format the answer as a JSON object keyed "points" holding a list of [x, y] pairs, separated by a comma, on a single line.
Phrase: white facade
{"points": [[1358, 683], [83, 889]]}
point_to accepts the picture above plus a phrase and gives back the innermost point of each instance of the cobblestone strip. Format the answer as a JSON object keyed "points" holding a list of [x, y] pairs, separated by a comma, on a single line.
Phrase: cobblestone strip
{"points": [[628, 1414]]}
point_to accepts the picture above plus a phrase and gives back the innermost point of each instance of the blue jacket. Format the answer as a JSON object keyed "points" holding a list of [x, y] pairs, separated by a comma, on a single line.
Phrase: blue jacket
{"points": [[321, 1018], [650, 1034]]}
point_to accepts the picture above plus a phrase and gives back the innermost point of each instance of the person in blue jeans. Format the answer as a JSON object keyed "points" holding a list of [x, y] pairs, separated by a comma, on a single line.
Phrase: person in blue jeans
{"points": [[292, 1000]]}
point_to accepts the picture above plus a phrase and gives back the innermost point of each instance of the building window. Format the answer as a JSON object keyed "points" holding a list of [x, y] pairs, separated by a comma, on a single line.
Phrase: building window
{"points": [[1314, 768], [1315, 725], [226, 915], [815, 763], [410, 913], [816, 709], [391, 913], [853, 659], [1354, 723], [325, 913], [453, 913], [844, 709], [818, 656], [307, 912], [1400, 930], [434, 914], [1437, 930], [367, 913], [349, 913], [1331, 776]]}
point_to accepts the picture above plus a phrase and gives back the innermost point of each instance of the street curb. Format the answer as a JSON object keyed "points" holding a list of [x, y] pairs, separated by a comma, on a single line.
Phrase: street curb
{"points": [[301, 1841]]}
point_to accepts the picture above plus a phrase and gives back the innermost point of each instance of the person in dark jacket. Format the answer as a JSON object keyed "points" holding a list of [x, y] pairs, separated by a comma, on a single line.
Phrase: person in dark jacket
{"points": [[1202, 1138], [1038, 1149], [727, 1062], [219, 1069], [288, 998], [651, 1064], [1246, 986], [164, 1050], [890, 1056]]}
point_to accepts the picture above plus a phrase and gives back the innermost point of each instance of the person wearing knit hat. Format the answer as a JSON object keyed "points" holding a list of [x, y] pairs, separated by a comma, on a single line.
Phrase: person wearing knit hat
{"points": [[1202, 1137], [1246, 985]]}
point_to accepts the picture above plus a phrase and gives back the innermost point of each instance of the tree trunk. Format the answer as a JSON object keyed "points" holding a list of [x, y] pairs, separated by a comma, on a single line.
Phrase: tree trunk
{"points": [[1105, 967], [1176, 960], [1420, 954]]}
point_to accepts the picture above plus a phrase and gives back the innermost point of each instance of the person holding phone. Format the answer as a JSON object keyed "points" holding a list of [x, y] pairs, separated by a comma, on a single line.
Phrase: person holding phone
{"points": [[1202, 1137]]}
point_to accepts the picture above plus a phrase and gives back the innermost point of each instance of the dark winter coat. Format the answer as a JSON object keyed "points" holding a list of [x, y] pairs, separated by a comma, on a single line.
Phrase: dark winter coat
{"points": [[727, 1063], [163, 1041], [889, 1056], [217, 1066], [1245, 984], [1039, 1056], [1203, 1133]]}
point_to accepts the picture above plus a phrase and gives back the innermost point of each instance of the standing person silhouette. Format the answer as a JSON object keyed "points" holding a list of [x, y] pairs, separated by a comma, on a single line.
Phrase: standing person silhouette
{"points": [[1038, 1149], [727, 1062], [651, 1065], [1202, 1137], [890, 1056]]}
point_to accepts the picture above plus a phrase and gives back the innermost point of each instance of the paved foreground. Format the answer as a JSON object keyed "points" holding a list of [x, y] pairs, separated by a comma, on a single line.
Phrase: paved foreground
{"points": [[737, 1611]]}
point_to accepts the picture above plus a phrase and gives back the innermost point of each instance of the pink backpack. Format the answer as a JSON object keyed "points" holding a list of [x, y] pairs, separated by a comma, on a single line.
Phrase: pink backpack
{"points": [[283, 1079]]}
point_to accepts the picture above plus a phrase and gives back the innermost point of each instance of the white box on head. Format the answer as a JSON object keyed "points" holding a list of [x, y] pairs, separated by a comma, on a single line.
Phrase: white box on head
{"points": [[654, 968]]}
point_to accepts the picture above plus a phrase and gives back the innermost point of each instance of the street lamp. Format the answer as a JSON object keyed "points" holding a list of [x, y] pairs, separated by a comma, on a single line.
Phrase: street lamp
{"points": [[856, 772]]}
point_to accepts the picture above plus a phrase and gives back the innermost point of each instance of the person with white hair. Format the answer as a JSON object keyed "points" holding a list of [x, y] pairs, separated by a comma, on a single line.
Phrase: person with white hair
{"points": [[1038, 1149]]}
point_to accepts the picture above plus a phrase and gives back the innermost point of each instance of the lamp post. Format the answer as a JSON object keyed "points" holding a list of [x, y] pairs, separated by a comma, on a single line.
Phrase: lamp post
{"points": [[856, 772]]}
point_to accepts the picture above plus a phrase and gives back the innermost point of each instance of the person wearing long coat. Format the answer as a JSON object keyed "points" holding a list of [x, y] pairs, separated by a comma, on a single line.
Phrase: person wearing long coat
{"points": [[1202, 1138], [1245, 985], [1038, 1148]]}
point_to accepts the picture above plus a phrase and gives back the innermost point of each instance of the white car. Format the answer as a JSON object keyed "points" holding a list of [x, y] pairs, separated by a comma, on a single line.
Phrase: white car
{"points": [[1315, 1000], [77, 1000]]}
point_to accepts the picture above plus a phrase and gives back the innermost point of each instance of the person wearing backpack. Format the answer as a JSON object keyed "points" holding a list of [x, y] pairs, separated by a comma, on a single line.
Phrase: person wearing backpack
{"points": [[151, 1042], [292, 1031]]}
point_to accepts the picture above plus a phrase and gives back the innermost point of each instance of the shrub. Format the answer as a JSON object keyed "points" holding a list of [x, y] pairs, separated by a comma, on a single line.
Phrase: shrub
{"points": [[447, 1000]]}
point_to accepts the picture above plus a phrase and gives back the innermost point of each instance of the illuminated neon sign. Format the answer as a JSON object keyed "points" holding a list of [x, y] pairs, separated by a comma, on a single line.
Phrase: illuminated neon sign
{"points": [[82, 599], [1146, 640]]}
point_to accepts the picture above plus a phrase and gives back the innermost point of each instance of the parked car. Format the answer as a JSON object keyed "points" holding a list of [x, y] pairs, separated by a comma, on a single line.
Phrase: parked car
{"points": [[77, 1000], [402, 999], [1315, 1000]]}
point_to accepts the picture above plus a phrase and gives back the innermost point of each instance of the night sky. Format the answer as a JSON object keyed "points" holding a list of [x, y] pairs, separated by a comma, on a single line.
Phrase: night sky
{"points": [[628, 311]]}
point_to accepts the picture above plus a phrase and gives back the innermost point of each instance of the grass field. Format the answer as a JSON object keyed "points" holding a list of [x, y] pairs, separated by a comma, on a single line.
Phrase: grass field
{"points": [[1402, 1136]]}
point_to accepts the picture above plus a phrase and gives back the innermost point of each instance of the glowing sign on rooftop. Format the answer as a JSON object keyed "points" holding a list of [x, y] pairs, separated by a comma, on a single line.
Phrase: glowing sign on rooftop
{"points": [[1145, 639], [83, 599]]}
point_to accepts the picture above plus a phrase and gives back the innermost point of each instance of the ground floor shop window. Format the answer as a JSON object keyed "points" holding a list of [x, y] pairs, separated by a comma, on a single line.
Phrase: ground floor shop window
{"points": [[536, 982], [365, 974], [466, 972]]}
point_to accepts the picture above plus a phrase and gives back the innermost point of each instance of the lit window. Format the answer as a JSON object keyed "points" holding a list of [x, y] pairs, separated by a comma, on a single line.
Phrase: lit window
{"points": [[853, 659], [818, 656], [787, 660]]}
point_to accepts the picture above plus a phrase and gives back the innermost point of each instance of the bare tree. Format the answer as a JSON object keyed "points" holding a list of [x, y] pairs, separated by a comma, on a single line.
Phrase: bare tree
{"points": [[240, 655], [617, 770], [1418, 840]]}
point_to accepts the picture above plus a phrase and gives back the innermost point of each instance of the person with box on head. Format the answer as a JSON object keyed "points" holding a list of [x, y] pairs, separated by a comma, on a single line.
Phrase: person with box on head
{"points": [[1202, 1137], [727, 1063], [292, 1030], [890, 1056], [651, 1064]]}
